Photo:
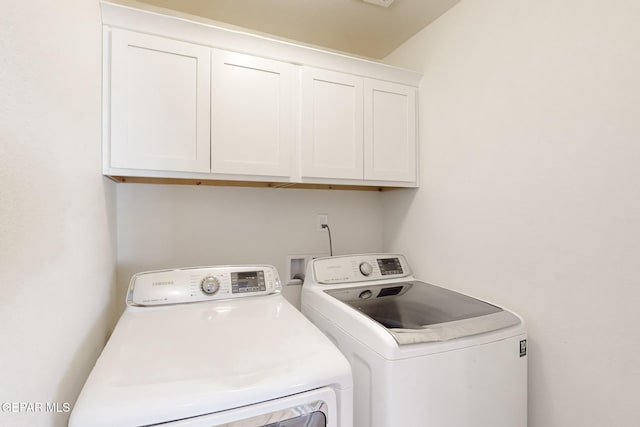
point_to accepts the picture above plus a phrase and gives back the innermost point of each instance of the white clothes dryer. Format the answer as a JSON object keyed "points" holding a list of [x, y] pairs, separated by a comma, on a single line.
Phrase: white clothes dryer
{"points": [[215, 346], [421, 355]]}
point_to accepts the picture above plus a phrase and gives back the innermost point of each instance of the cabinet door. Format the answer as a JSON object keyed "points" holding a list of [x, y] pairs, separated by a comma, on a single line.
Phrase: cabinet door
{"points": [[159, 115], [252, 117], [389, 131], [331, 124]]}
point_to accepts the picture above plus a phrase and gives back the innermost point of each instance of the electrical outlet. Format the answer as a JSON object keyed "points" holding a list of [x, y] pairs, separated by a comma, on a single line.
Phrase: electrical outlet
{"points": [[322, 219]]}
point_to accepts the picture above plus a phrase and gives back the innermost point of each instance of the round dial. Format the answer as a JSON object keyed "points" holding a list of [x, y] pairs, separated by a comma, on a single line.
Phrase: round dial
{"points": [[365, 268], [365, 294], [210, 285]]}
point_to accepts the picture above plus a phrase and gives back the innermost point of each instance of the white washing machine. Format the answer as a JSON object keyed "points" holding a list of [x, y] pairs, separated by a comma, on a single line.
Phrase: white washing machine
{"points": [[215, 346], [421, 355]]}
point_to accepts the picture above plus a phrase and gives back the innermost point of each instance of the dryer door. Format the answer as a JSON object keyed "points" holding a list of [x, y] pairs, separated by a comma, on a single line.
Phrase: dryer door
{"points": [[316, 408], [315, 419]]}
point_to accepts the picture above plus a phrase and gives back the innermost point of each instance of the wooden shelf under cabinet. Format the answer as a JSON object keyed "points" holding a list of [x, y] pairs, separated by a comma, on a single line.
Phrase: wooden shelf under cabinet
{"points": [[263, 184]]}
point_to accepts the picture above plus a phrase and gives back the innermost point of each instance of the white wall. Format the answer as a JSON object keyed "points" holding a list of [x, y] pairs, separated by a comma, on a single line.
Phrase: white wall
{"points": [[530, 130], [164, 226], [57, 213]]}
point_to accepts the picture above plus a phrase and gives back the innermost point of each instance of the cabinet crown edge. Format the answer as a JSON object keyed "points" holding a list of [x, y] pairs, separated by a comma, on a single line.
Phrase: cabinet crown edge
{"points": [[148, 19]]}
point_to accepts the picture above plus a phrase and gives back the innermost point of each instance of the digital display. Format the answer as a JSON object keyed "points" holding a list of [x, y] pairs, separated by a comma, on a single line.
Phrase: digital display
{"points": [[389, 266], [247, 281]]}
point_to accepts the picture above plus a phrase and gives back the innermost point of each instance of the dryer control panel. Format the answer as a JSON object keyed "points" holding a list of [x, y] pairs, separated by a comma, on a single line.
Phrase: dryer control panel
{"points": [[184, 285], [360, 268]]}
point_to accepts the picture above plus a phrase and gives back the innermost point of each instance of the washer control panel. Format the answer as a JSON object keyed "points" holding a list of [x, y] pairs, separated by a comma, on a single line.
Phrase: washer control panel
{"points": [[359, 268], [184, 285]]}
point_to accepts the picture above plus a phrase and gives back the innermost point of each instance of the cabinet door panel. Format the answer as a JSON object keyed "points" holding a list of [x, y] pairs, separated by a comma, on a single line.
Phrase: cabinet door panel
{"points": [[389, 131], [331, 125], [252, 117], [159, 103]]}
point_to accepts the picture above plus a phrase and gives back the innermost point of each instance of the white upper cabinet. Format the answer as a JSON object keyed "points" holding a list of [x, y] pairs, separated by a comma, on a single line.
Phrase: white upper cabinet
{"points": [[389, 131], [357, 128], [188, 101], [159, 103], [332, 124], [252, 115]]}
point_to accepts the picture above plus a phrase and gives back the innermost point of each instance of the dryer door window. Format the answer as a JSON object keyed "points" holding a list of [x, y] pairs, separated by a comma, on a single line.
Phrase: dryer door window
{"points": [[313, 408], [315, 419]]}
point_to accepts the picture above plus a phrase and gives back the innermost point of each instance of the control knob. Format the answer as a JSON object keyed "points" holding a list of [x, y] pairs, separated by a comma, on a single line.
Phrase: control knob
{"points": [[210, 285], [365, 268], [365, 294]]}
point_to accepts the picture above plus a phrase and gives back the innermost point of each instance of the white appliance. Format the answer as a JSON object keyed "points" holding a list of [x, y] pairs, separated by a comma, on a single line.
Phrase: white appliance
{"points": [[421, 355], [215, 346]]}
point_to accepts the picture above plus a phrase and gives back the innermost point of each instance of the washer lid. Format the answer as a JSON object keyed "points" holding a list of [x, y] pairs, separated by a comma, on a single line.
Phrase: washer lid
{"points": [[415, 312], [174, 362]]}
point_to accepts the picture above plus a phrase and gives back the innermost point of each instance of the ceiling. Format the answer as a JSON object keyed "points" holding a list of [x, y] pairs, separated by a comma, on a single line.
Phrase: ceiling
{"points": [[351, 26]]}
